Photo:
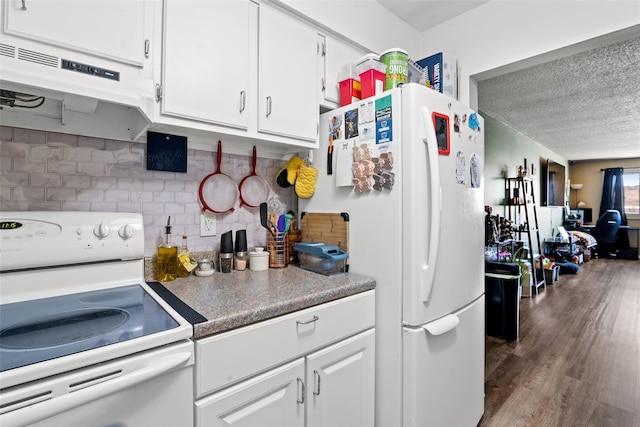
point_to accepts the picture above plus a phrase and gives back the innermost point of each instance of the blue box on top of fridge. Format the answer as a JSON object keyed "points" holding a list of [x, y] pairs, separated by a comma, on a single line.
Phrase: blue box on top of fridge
{"points": [[441, 70]]}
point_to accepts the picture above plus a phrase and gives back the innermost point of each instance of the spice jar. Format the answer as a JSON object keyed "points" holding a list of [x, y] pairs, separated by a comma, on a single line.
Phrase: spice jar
{"points": [[226, 252], [241, 261], [226, 262], [205, 267], [242, 258]]}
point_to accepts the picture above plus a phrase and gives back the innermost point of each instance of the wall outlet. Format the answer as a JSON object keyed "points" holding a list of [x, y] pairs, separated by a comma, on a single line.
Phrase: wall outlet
{"points": [[207, 224]]}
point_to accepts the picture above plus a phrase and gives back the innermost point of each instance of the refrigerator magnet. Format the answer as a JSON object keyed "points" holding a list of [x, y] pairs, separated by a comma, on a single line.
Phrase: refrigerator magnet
{"points": [[344, 159], [384, 131], [473, 121], [335, 128], [441, 126], [476, 170], [368, 132], [367, 112], [384, 120], [351, 124], [460, 168]]}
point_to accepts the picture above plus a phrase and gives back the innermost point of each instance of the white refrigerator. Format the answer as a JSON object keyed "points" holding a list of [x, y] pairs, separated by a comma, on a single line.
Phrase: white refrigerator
{"points": [[407, 167]]}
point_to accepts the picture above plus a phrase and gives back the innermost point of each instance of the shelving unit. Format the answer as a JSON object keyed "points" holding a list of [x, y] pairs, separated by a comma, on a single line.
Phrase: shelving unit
{"points": [[507, 245], [521, 209]]}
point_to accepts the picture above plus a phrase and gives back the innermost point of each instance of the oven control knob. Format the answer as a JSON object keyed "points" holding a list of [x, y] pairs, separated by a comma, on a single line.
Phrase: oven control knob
{"points": [[102, 230], [126, 231]]}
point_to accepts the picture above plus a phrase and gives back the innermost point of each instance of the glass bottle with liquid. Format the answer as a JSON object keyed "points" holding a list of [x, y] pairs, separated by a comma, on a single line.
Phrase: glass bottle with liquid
{"points": [[186, 263], [167, 257]]}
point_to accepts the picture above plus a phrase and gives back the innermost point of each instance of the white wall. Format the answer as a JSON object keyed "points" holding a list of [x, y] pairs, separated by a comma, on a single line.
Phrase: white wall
{"points": [[365, 22], [500, 33], [589, 173], [505, 149]]}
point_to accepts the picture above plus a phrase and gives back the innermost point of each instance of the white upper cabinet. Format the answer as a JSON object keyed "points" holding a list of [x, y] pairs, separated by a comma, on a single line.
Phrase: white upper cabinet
{"points": [[335, 53], [89, 60], [288, 54], [205, 67], [104, 28], [238, 70]]}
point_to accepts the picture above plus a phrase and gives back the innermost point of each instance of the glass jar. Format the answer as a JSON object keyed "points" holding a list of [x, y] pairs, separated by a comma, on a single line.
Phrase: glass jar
{"points": [[241, 260], [226, 262], [205, 267]]}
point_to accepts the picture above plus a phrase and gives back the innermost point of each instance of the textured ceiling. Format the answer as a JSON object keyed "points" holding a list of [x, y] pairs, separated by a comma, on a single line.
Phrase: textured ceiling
{"points": [[584, 106]]}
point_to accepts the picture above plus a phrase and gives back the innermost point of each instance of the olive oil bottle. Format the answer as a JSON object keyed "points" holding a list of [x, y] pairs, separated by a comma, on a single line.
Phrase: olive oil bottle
{"points": [[167, 257], [186, 263]]}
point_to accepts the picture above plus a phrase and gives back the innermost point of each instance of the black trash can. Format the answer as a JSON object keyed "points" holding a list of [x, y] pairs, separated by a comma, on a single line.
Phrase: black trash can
{"points": [[502, 299]]}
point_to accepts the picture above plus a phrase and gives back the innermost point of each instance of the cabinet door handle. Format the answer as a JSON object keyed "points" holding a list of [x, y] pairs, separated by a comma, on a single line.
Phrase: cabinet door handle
{"points": [[306, 322], [24, 5], [316, 378], [301, 389], [268, 106], [243, 100]]}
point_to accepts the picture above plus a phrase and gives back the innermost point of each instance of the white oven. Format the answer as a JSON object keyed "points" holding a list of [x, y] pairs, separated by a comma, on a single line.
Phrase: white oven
{"points": [[84, 341]]}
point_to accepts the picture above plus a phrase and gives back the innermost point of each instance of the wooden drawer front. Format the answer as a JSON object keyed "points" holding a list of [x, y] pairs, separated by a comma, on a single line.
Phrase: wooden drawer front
{"points": [[232, 356]]}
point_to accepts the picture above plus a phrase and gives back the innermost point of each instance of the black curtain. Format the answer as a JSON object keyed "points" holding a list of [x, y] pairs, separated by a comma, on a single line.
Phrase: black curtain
{"points": [[551, 191], [613, 198]]}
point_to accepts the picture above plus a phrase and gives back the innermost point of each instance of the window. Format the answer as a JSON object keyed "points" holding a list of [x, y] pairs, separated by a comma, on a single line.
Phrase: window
{"points": [[631, 182]]}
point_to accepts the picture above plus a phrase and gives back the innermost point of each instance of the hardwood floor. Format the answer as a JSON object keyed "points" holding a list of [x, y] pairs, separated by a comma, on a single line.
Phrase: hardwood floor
{"points": [[577, 361]]}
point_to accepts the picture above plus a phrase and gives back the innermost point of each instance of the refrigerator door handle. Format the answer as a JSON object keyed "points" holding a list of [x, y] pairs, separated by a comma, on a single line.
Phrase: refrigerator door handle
{"points": [[429, 269], [442, 325]]}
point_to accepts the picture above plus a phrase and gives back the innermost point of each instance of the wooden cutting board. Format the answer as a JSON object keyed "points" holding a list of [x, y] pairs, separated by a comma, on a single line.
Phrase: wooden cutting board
{"points": [[329, 228]]}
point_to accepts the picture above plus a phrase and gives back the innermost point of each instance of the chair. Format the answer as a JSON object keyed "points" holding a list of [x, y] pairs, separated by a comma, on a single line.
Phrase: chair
{"points": [[606, 232]]}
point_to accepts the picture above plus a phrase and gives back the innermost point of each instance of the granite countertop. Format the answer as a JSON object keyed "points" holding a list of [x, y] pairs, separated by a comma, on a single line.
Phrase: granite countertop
{"points": [[236, 299]]}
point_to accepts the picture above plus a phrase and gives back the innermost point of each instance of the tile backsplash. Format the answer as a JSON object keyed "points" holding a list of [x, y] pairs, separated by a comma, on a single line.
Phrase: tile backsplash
{"points": [[49, 171]]}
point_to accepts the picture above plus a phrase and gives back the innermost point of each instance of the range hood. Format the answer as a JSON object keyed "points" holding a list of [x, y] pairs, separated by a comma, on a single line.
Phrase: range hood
{"points": [[69, 113]]}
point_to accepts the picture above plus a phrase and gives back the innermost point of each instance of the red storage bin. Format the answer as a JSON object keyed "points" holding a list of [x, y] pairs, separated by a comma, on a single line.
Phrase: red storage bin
{"points": [[372, 74], [350, 91]]}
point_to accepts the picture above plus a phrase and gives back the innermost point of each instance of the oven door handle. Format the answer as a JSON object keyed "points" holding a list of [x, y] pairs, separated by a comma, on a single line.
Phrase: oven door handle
{"points": [[57, 405]]}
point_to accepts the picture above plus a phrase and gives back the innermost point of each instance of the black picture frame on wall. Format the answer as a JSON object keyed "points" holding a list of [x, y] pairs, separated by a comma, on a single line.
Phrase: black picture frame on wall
{"points": [[552, 183], [166, 152]]}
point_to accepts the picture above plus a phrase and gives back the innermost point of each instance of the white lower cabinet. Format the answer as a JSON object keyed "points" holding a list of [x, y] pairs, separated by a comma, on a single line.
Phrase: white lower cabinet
{"points": [[342, 383], [311, 368], [269, 399]]}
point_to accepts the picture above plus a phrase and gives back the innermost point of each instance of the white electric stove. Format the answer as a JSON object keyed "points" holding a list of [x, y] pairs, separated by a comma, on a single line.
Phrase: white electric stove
{"points": [[83, 339]]}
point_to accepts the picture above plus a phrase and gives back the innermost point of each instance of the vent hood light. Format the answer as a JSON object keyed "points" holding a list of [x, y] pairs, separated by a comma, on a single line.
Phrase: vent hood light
{"points": [[80, 104]]}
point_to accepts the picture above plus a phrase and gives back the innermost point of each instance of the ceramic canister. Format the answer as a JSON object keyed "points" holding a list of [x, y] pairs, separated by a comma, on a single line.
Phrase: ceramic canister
{"points": [[258, 260]]}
